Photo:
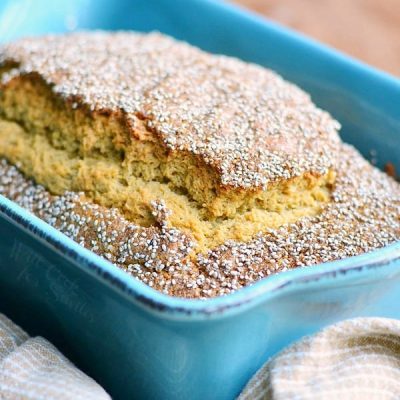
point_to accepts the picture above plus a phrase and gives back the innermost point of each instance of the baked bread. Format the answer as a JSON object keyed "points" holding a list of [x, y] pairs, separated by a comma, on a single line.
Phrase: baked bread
{"points": [[196, 173]]}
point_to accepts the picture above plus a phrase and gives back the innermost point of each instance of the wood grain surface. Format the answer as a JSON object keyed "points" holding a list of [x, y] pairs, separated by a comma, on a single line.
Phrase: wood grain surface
{"points": [[366, 29]]}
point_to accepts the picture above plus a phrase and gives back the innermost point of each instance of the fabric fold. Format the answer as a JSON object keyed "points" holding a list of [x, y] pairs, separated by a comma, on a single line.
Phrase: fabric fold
{"points": [[354, 359], [32, 368]]}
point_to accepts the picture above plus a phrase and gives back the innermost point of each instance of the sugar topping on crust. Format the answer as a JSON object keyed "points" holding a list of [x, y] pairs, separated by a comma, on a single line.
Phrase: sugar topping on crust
{"points": [[242, 120]]}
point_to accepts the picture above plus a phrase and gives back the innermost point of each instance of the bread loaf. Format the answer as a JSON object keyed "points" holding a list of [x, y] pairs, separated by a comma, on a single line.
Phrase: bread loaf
{"points": [[197, 173]]}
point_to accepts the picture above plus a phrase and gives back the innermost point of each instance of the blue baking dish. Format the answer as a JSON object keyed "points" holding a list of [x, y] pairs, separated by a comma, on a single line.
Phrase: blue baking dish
{"points": [[139, 343]]}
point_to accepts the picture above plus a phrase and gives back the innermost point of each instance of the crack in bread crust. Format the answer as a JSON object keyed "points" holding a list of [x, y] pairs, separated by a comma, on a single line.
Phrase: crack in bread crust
{"points": [[66, 148]]}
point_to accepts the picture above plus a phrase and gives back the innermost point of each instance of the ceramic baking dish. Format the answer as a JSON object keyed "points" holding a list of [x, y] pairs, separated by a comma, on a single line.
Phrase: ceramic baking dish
{"points": [[139, 343]]}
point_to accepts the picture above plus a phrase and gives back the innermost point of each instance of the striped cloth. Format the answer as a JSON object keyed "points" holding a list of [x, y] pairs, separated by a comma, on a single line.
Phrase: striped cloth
{"points": [[33, 369], [356, 359]]}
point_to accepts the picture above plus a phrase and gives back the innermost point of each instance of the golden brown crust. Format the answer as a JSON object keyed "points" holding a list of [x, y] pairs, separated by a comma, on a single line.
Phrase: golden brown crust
{"points": [[242, 120]]}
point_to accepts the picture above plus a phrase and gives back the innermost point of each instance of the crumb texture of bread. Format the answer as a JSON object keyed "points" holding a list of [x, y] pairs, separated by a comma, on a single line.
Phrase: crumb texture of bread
{"points": [[197, 174]]}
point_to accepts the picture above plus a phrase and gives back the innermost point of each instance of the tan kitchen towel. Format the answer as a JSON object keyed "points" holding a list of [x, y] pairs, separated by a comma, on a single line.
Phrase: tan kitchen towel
{"points": [[33, 369], [354, 359]]}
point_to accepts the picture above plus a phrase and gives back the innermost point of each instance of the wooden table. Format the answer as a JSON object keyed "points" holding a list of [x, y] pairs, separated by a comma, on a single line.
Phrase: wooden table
{"points": [[366, 29]]}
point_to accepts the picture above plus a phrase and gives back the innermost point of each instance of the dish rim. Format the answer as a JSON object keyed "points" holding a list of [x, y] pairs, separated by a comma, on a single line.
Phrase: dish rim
{"points": [[244, 298], [188, 309]]}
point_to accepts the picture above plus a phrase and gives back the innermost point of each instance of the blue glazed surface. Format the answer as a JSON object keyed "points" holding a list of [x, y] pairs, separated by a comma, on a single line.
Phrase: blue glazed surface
{"points": [[139, 343]]}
